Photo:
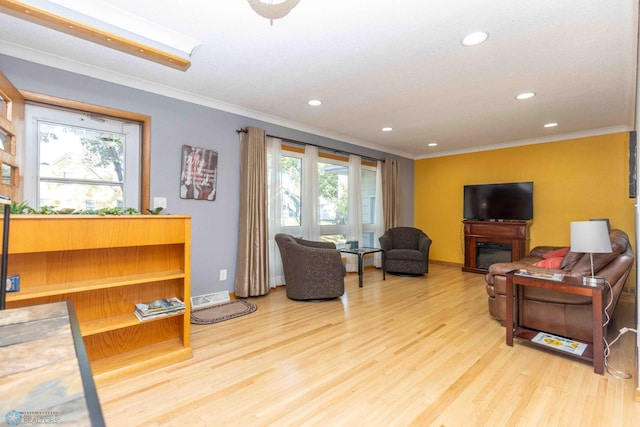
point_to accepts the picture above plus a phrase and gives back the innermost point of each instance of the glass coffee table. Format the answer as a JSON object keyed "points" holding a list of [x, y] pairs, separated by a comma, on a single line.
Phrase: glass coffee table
{"points": [[361, 252]]}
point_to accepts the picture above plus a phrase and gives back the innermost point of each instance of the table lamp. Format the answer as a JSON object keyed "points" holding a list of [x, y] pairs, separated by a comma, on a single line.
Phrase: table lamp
{"points": [[590, 237]]}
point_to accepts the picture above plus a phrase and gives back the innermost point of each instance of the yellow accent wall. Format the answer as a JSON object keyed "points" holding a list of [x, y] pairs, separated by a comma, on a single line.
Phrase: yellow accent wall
{"points": [[573, 180]]}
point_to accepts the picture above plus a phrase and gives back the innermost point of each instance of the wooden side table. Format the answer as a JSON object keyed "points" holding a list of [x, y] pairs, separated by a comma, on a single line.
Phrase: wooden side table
{"points": [[595, 349]]}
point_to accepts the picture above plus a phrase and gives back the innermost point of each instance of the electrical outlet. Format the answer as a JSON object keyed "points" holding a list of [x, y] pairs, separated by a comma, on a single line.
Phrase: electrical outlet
{"points": [[223, 274], [160, 202]]}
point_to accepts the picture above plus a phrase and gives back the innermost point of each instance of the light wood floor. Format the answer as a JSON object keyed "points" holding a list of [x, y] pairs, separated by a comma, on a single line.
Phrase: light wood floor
{"points": [[400, 352]]}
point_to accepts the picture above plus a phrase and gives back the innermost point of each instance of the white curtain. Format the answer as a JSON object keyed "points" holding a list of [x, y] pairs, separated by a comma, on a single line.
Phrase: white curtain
{"points": [[274, 173], [354, 220], [379, 215], [310, 222]]}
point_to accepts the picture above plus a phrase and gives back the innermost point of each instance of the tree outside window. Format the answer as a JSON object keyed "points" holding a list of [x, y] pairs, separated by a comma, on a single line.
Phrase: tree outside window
{"points": [[80, 168]]}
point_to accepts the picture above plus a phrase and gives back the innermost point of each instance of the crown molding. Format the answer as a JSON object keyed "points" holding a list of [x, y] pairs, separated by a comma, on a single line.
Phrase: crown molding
{"points": [[532, 141], [44, 58]]}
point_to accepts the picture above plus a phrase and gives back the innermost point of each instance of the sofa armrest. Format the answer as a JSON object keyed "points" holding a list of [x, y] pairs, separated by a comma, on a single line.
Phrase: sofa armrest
{"points": [[385, 242], [504, 268], [316, 244], [424, 244]]}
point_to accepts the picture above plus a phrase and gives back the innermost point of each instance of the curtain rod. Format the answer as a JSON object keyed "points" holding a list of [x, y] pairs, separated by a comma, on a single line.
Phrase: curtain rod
{"points": [[334, 150]]}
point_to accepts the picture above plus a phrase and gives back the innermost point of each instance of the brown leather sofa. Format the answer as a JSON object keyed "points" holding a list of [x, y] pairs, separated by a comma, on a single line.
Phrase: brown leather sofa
{"points": [[556, 312]]}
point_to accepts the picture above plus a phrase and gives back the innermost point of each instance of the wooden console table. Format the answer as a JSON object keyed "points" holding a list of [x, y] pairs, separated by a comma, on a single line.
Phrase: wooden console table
{"points": [[46, 378], [514, 233], [595, 349]]}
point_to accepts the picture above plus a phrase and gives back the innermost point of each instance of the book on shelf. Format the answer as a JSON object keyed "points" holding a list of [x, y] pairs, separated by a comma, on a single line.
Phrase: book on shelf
{"points": [[159, 307], [143, 318]]}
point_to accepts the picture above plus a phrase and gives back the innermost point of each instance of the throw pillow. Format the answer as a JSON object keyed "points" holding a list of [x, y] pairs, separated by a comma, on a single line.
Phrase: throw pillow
{"points": [[557, 253], [550, 262]]}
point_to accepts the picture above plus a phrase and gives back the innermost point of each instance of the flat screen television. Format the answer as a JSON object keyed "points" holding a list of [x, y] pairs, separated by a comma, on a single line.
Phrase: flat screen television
{"points": [[499, 202]]}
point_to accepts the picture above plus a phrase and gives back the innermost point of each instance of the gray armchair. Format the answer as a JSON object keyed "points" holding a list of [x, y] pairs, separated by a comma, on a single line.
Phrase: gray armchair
{"points": [[406, 251], [312, 270]]}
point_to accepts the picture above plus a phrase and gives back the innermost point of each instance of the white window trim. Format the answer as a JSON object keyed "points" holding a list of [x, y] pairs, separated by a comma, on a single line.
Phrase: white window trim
{"points": [[36, 112]]}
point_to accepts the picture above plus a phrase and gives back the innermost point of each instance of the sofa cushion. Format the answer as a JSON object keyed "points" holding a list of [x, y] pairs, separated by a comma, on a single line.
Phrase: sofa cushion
{"points": [[404, 254], [553, 262], [570, 259], [405, 240], [557, 253]]}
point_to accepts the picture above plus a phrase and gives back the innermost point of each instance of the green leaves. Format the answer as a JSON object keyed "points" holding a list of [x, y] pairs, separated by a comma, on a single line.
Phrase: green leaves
{"points": [[155, 211], [24, 208]]}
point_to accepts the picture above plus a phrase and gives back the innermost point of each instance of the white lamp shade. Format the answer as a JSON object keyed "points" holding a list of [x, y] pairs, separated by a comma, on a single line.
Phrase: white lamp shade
{"points": [[590, 237]]}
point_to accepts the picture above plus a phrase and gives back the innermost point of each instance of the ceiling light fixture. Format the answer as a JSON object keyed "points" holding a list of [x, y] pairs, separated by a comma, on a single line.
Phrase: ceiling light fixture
{"points": [[550, 125], [101, 23], [525, 95], [314, 102], [475, 39], [387, 129], [433, 144], [273, 9]]}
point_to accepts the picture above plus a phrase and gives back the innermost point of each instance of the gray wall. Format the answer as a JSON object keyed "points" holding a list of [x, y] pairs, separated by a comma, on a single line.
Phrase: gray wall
{"points": [[173, 123]]}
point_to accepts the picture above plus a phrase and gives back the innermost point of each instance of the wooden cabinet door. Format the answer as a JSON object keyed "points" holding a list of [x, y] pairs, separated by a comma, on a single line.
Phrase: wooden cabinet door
{"points": [[11, 138]]}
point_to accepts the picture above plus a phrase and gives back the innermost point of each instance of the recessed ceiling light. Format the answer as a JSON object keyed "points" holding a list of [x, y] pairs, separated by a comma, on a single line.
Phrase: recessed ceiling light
{"points": [[525, 95], [475, 39], [387, 129], [314, 102], [433, 144], [550, 125]]}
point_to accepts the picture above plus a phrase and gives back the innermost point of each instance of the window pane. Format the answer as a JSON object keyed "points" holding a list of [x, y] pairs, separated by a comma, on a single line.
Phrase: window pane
{"points": [[80, 168], [338, 239], [80, 196], [6, 174], [368, 194], [333, 193], [368, 240], [291, 193], [76, 153], [4, 137]]}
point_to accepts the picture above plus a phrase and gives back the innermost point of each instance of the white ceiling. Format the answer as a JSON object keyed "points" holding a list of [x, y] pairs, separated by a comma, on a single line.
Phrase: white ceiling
{"points": [[385, 63]]}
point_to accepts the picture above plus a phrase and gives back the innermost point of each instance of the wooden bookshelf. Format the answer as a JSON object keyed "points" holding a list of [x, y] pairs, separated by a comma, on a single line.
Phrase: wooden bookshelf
{"points": [[105, 265]]}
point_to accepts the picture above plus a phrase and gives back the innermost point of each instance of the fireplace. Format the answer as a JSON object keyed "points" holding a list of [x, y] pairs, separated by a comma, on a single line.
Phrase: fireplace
{"points": [[488, 242], [490, 253]]}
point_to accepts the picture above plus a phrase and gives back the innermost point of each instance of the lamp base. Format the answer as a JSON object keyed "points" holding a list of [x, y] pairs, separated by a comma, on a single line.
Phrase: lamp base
{"points": [[592, 281]]}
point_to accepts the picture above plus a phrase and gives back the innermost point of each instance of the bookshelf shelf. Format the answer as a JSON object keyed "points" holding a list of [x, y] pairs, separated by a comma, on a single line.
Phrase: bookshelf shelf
{"points": [[106, 265]]}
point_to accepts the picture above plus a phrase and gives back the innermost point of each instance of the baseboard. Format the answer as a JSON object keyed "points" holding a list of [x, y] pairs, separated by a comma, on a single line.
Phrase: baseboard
{"points": [[447, 263]]}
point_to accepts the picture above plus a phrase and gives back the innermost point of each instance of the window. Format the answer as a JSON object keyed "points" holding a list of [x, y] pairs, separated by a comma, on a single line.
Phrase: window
{"points": [[3, 140], [332, 204], [291, 177], [310, 195], [81, 161], [368, 194]]}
